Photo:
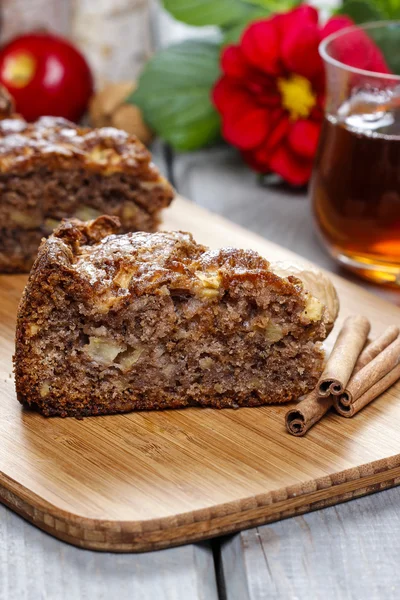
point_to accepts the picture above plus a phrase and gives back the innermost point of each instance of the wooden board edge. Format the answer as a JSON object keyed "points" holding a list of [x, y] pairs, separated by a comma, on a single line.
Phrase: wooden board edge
{"points": [[145, 536]]}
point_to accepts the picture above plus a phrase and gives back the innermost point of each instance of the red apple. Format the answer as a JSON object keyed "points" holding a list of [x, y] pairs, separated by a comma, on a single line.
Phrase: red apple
{"points": [[46, 75]]}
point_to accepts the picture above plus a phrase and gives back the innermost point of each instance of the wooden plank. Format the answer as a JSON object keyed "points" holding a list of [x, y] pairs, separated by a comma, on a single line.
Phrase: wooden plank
{"points": [[34, 565], [148, 480], [360, 557], [348, 551]]}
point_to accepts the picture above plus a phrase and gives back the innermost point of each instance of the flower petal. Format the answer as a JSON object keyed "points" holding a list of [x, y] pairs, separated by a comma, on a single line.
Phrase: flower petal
{"points": [[260, 45], [290, 167], [303, 138], [279, 128], [302, 14], [244, 123], [245, 128], [233, 62], [264, 87], [335, 24], [257, 159], [300, 51], [225, 92]]}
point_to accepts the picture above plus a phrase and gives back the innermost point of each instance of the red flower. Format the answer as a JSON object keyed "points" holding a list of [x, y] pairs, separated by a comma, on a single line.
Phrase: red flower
{"points": [[271, 93]]}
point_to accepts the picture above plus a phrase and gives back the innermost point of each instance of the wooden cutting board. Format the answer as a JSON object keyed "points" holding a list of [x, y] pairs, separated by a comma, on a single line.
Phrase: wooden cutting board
{"points": [[149, 480]]}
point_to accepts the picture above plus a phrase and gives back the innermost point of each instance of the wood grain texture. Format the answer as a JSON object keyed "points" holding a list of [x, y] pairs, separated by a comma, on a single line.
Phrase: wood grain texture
{"points": [[346, 552], [149, 480], [35, 566]]}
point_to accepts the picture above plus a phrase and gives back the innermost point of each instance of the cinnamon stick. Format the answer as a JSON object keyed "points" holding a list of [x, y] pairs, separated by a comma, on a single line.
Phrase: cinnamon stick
{"points": [[343, 357], [367, 377], [373, 392], [307, 412], [341, 363], [376, 347]]}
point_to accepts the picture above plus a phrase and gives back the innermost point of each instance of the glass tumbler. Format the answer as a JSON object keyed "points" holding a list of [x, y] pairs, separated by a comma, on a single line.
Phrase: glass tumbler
{"points": [[355, 187]]}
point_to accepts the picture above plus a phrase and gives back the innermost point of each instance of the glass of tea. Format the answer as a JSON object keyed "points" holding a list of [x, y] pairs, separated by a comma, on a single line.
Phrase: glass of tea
{"points": [[355, 187]]}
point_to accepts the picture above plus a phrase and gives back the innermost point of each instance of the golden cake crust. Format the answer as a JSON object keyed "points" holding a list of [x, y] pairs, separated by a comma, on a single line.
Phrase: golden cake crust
{"points": [[110, 323], [60, 144], [113, 266]]}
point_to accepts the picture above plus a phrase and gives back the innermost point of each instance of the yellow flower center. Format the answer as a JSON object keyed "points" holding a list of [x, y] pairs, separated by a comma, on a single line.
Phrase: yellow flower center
{"points": [[297, 96]]}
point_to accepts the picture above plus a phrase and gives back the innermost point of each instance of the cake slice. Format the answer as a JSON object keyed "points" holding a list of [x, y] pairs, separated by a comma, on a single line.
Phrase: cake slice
{"points": [[112, 323], [53, 169]]}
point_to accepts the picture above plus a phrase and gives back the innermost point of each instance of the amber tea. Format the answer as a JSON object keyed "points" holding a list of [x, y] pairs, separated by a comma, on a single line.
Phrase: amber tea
{"points": [[356, 189], [356, 181]]}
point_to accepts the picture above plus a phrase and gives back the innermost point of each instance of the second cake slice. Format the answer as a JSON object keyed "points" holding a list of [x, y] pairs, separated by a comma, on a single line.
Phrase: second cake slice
{"points": [[53, 169], [111, 323]]}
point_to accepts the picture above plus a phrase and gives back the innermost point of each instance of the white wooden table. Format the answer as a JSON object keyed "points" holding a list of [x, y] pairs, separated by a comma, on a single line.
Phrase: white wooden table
{"points": [[345, 552]]}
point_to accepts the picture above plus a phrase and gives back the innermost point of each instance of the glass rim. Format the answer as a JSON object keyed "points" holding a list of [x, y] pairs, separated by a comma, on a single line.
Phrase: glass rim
{"points": [[323, 52]]}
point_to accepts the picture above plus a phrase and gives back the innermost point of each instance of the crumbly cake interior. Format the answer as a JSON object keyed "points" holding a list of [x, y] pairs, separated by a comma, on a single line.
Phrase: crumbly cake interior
{"points": [[114, 323], [18, 249], [53, 169], [77, 193]]}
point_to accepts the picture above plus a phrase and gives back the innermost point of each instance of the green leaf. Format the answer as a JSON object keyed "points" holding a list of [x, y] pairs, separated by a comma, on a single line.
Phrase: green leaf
{"points": [[361, 11], [232, 34], [388, 40], [390, 9], [257, 9], [206, 12], [174, 94], [275, 5]]}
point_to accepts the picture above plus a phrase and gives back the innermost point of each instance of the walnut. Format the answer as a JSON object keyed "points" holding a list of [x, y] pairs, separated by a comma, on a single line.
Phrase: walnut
{"points": [[129, 211], [123, 277], [107, 157], [210, 282], [50, 224], [209, 279], [149, 185], [169, 370], [86, 213], [130, 118], [103, 350], [25, 221], [319, 286], [313, 309], [32, 329], [105, 302], [208, 293], [130, 357], [109, 108], [44, 389], [206, 362], [105, 101], [273, 332]]}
